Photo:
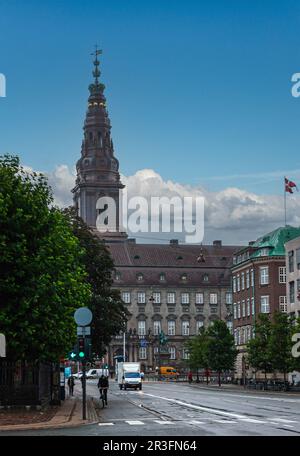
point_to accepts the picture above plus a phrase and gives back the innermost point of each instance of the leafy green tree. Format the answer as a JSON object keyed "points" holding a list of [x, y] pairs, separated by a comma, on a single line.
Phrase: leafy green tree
{"points": [[197, 347], [109, 311], [42, 280], [280, 343], [259, 355], [220, 348]]}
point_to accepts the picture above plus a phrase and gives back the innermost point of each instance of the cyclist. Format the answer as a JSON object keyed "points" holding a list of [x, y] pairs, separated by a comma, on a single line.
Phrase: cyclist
{"points": [[103, 387]]}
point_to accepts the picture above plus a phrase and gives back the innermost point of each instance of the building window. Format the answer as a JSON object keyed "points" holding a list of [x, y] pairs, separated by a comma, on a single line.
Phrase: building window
{"points": [[213, 298], [239, 310], [252, 306], [126, 297], [242, 336], [292, 292], [213, 310], [252, 277], [143, 353], [264, 252], [243, 280], [228, 298], [238, 283], [235, 336], [156, 327], [234, 284], [265, 304], [230, 326], [142, 328], [234, 311], [185, 354], [248, 332], [298, 258], [171, 298], [171, 328], [248, 279], [185, 328], [185, 298], [282, 274], [199, 325], [162, 277], [243, 309], [184, 277], [238, 336], [291, 261], [139, 277], [205, 278], [248, 308], [117, 276], [172, 351], [199, 298], [264, 275], [283, 304], [156, 298], [141, 298]]}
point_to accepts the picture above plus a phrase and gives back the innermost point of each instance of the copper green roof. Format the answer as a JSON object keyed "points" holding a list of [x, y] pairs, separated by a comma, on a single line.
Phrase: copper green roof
{"points": [[275, 241]]}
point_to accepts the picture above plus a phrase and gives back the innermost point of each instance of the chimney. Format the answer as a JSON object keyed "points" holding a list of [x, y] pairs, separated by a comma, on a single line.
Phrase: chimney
{"points": [[174, 242], [251, 242], [217, 243]]}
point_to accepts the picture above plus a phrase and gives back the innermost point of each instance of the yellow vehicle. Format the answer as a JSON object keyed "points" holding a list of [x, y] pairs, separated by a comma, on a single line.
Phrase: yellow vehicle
{"points": [[167, 371]]}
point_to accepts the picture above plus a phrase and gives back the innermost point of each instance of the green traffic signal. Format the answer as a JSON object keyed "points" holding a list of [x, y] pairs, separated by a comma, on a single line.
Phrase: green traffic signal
{"points": [[81, 354]]}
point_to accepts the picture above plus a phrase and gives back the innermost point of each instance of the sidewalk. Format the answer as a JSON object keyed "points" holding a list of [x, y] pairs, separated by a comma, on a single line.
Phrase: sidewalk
{"points": [[69, 414]]}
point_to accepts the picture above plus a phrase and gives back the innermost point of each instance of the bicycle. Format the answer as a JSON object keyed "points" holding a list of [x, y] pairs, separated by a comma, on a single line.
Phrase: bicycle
{"points": [[103, 396]]}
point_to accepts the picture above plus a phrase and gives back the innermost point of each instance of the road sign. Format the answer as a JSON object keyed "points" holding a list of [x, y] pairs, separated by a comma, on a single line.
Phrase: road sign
{"points": [[143, 343], [83, 316], [2, 346], [83, 330]]}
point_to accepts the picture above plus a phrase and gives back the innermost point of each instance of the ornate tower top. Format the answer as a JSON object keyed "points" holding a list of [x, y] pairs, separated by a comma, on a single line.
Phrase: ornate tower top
{"points": [[97, 169], [97, 162]]}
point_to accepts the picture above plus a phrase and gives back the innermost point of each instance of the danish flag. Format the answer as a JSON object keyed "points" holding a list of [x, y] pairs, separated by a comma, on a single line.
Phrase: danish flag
{"points": [[289, 185]]}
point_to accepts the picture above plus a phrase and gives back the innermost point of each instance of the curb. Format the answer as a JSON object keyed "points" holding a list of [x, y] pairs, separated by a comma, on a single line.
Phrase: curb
{"points": [[66, 423]]}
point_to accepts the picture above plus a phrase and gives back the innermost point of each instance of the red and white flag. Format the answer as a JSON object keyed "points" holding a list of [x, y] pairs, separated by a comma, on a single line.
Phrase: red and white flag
{"points": [[290, 185]]}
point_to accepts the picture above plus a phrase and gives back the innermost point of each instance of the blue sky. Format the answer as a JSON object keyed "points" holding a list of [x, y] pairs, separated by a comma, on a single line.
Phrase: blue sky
{"points": [[199, 91]]}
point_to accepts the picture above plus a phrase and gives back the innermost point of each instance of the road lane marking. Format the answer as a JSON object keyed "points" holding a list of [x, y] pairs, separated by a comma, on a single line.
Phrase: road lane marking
{"points": [[133, 423], [196, 422], [251, 420], [282, 420], [225, 421], [198, 407], [106, 424], [163, 422]]}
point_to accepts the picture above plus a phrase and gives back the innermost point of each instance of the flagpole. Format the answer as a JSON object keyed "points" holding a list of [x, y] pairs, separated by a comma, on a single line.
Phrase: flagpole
{"points": [[284, 201]]}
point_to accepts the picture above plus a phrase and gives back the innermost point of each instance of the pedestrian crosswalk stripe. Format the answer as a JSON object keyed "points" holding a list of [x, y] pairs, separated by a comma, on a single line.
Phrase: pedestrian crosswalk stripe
{"points": [[196, 422], [106, 424], [132, 423]]}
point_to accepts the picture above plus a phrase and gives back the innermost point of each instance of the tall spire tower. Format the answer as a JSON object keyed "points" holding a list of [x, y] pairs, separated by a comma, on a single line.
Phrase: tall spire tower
{"points": [[97, 188]]}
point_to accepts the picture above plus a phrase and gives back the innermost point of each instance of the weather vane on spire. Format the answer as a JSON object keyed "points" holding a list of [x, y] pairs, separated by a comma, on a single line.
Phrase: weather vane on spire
{"points": [[96, 72]]}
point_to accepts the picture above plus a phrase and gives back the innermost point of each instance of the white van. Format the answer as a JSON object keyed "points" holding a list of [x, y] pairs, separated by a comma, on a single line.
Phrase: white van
{"points": [[96, 373]]}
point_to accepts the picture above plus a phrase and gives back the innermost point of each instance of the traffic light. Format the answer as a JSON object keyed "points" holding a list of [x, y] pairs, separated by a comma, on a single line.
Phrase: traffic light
{"points": [[81, 348], [162, 338]]}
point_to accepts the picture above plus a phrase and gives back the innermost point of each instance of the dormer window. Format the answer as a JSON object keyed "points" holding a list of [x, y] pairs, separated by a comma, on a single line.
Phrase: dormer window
{"points": [[162, 277], [140, 277], [117, 276], [205, 278], [184, 277]]}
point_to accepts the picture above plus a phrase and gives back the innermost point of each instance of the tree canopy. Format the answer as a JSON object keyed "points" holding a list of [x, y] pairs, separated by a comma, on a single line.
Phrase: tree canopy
{"points": [[42, 275]]}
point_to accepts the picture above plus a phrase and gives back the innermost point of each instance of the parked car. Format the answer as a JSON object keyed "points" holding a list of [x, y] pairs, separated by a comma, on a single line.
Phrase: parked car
{"points": [[77, 375]]}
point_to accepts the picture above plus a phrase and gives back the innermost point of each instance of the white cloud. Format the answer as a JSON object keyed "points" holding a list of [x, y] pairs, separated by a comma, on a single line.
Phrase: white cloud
{"points": [[233, 215]]}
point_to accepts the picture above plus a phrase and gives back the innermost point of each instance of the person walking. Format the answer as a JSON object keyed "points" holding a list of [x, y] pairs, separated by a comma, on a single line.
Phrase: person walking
{"points": [[71, 383], [190, 377]]}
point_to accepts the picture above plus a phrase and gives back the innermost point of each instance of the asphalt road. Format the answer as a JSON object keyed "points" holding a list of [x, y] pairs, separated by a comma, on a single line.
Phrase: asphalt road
{"points": [[177, 409]]}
